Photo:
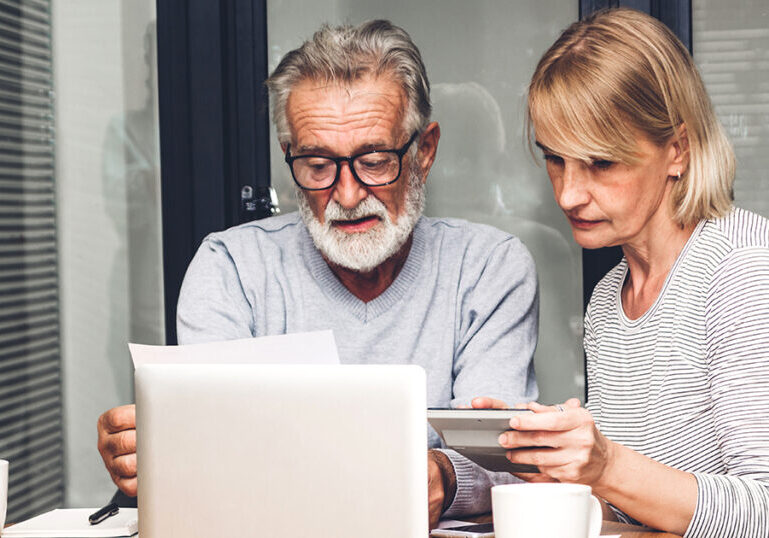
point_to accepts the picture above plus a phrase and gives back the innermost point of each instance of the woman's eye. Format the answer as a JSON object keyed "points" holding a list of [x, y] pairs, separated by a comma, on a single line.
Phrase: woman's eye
{"points": [[554, 159], [603, 164]]}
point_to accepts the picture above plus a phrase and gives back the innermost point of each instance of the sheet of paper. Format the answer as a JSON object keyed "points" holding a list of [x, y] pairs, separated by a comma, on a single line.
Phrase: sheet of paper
{"points": [[317, 347], [71, 523]]}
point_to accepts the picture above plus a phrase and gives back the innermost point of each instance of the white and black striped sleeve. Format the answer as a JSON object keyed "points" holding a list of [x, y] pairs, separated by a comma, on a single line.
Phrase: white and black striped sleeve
{"points": [[737, 344]]}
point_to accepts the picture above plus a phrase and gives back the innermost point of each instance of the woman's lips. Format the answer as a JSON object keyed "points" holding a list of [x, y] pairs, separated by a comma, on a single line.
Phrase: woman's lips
{"points": [[357, 225], [583, 224]]}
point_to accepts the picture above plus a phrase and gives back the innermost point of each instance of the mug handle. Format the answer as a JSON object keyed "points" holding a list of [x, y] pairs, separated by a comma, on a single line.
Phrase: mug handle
{"points": [[596, 518]]}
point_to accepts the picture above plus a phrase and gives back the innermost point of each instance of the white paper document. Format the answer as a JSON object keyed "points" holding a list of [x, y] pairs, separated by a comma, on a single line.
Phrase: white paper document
{"points": [[73, 523], [317, 347]]}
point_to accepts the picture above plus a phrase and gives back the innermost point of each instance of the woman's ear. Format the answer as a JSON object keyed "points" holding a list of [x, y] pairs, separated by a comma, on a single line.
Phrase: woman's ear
{"points": [[679, 153]]}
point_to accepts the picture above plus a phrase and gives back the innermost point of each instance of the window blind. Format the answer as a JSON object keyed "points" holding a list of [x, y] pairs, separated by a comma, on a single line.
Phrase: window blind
{"points": [[30, 368], [731, 49]]}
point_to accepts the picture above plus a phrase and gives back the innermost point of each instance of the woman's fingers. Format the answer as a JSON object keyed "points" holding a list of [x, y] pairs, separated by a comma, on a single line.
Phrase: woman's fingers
{"points": [[536, 438], [572, 403], [484, 402], [546, 418], [539, 408], [543, 458], [564, 446], [535, 477], [532, 421]]}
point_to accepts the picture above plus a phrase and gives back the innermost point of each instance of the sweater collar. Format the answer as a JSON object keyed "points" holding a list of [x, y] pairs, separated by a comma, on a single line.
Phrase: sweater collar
{"points": [[335, 290]]}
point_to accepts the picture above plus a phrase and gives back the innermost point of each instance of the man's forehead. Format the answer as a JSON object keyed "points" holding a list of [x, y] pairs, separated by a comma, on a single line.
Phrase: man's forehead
{"points": [[310, 95], [369, 104], [385, 84]]}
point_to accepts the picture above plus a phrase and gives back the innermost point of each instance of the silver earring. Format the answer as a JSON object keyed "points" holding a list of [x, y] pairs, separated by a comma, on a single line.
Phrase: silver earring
{"points": [[679, 176]]}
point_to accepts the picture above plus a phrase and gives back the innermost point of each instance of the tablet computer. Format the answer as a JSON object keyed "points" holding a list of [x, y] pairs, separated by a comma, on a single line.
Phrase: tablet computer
{"points": [[474, 433]]}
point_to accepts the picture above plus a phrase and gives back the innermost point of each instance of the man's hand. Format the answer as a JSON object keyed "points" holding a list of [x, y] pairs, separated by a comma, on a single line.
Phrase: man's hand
{"points": [[117, 446], [441, 485]]}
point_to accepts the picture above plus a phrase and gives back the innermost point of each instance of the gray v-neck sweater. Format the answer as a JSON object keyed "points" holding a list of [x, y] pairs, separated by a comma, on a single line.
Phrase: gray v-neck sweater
{"points": [[464, 307]]}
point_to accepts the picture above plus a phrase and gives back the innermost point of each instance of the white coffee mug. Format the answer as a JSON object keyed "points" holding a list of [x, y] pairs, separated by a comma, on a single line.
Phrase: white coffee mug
{"points": [[548, 510], [3, 492]]}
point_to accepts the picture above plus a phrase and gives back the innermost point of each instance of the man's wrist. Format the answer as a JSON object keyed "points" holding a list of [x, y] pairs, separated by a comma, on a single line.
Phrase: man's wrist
{"points": [[448, 477]]}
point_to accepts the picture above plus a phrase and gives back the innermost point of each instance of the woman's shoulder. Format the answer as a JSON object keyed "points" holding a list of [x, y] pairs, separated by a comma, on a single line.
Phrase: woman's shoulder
{"points": [[738, 229], [737, 246]]}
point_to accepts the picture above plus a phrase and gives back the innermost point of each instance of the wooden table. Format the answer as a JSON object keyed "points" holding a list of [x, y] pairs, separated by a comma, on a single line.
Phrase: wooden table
{"points": [[631, 531]]}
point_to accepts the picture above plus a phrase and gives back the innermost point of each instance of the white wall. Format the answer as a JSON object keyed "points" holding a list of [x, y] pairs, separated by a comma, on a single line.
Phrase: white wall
{"points": [[108, 216]]}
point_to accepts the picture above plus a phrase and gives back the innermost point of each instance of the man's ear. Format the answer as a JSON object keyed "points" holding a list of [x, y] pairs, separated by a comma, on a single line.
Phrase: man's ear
{"points": [[283, 147], [679, 153], [428, 148]]}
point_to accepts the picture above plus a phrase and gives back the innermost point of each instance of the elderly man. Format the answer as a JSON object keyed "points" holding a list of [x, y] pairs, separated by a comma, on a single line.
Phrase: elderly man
{"points": [[352, 112]]}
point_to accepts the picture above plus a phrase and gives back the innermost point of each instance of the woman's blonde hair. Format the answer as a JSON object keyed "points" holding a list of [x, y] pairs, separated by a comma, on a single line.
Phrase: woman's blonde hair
{"points": [[621, 72]]}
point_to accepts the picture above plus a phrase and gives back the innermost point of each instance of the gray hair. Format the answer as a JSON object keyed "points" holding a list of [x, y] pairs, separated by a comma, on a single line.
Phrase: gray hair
{"points": [[344, 54]]}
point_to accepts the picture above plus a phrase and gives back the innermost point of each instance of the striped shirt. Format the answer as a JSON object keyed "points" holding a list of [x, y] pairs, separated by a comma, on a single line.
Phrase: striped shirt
{"points": [[687, 383]]}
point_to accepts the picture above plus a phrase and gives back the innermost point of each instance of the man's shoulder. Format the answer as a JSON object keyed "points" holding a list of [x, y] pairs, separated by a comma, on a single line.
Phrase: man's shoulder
{"points": [[473, 231], [279, 230], [460, 234]]}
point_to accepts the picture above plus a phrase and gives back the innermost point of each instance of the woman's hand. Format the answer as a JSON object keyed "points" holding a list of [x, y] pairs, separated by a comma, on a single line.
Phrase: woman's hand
{"points": [[562, 441], [489, 403]]}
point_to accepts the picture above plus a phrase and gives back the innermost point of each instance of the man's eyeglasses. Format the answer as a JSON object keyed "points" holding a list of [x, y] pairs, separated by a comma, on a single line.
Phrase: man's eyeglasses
{"points": [[371, 168]]}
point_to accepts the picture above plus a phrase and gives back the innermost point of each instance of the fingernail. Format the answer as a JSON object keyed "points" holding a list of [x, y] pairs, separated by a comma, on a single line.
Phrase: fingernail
{"points": [[514, 422], [502, 439]]}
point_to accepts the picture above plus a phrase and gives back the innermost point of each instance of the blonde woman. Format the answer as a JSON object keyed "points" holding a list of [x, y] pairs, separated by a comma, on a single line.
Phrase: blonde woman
{"points": [[675, 432]]}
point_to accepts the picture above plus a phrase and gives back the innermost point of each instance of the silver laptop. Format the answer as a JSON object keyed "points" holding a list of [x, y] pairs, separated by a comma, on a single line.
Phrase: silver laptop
{"points": [[274, 451]]}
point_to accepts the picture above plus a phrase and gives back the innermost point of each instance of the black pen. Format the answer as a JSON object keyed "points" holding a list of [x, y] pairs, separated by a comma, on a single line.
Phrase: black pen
{"points": [[100, 515]]}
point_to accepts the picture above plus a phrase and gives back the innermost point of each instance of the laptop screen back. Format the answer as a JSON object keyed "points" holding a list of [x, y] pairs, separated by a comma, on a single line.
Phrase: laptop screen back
{"points": [[275, 450]]}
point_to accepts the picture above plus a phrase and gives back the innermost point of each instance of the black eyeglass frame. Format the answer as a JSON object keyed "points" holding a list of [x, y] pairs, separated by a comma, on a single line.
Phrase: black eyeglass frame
{"points": [[400, 152]]}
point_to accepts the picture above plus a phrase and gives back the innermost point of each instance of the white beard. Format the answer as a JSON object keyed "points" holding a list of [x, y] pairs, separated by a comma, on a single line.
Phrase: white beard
{"points": [[363, 251]]}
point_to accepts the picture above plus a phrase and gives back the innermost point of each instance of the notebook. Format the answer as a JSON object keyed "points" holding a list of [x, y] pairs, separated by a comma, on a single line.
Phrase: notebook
{"points": [[73, 523]]}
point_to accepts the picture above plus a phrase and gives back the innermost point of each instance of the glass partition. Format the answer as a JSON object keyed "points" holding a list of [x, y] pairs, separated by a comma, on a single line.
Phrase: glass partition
{"points": [[108, 197], [479, 57]]}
